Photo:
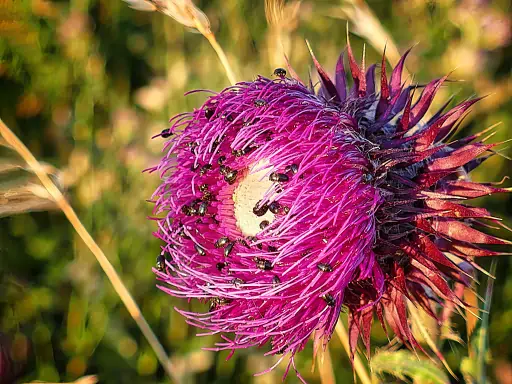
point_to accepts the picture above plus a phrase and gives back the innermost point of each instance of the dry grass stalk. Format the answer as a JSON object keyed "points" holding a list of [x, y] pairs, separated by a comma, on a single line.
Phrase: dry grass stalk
{"points": [[427, 334], [282, 19], [183, 11], [282, 15], [19, 190], [364, 23], [105, 264], [187, 14], [359, 367], [325, 369], [471, 297], [24, 198]]}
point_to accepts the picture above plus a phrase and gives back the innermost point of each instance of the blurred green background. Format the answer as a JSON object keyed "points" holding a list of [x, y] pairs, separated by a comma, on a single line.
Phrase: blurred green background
{"points": [[86, 83]]}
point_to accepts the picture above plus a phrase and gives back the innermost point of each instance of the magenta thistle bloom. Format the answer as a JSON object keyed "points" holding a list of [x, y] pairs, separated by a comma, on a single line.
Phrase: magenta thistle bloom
{"points": [[280, 207]]}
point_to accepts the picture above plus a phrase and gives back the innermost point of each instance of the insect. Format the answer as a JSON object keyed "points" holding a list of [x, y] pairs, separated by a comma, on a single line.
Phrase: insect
{"points": [[293, 168], [221, 242], [260, 210], [259, 103], [221, 160], [241, 152], [237, 282], [166, 133], [224, 170], [324, 267], [208, 113], [202, 208], [244, 243], [221, 266], [367, 178], [280, 177], [214, 146], [329, 300], [200, 250], [205, 168], [218, 302], [230, 177], [276, 281], [192, 145], [271, 248], [203, 187], [280, 72], [237, 152], [188, 211], [274, 207], [207, 196], [281, 351], [263, 264], [228, 249], [264, 224], [182, 234], [160, 263]]}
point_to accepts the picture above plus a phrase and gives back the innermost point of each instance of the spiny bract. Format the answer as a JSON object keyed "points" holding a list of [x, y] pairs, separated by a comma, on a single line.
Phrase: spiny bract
{"points": [[280, 207]]}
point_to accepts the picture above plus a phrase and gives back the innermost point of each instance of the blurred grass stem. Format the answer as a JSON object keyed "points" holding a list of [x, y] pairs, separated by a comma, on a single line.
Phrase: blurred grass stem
{"points": [[325, 367], [105, 264], [219, 51], [359, 367], [187, 14], [365, 24], [483, 339]]}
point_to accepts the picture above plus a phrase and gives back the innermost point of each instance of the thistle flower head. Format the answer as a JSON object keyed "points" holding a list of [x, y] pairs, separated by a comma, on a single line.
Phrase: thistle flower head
{"points": [[280, 207]]}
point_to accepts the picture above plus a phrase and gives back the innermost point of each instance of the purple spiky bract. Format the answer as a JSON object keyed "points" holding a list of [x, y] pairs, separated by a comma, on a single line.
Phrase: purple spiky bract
{"points": [[366, 201]]}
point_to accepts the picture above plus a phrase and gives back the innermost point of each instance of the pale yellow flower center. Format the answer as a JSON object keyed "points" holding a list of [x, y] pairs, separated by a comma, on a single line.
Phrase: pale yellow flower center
{"points": [[249, 191]]}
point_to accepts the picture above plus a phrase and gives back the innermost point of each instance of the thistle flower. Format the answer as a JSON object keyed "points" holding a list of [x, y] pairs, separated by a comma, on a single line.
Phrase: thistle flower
{"points": [[281, 207]]}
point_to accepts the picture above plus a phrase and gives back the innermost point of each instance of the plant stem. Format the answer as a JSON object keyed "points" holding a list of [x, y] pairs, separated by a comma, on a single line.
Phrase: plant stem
{"points": [[105, 264], [368, 26], [483, 337], [358, 364], [218, 49], [325, 366]]}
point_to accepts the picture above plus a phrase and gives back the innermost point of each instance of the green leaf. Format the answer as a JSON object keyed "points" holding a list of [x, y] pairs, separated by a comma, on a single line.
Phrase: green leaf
{"points": [[408, 367]]}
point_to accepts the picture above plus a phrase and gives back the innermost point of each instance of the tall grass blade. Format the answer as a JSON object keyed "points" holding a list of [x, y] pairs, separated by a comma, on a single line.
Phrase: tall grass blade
{"points": [[187, 14], [105, 264], [359, 367], [483, 336], [325, 368], [427, 337]]}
